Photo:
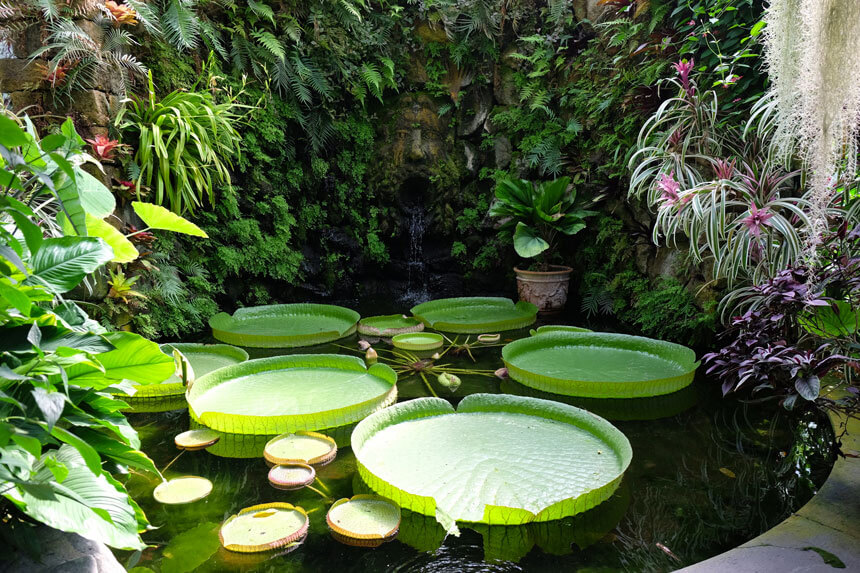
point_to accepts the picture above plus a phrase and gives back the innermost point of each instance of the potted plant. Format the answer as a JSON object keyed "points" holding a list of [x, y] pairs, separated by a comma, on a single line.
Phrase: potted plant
{"points": [[536, 214]]}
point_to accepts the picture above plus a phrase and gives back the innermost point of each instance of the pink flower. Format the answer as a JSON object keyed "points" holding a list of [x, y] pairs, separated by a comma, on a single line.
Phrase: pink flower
{"points": [[724, 169], [691, 23], [669, 188], [676, 138], [684, 67], [103, 146], [756, 220]]}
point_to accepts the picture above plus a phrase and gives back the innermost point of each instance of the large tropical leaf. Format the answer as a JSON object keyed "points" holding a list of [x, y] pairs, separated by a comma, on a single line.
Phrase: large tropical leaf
{"points": [[96, 199], [134, 358], [61, 263], [527, 242], [157, 217], [93, 505], [124, 250]]}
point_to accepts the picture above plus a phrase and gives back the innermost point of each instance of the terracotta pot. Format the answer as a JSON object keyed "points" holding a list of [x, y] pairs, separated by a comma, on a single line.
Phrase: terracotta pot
{"points": [[546, 290]]}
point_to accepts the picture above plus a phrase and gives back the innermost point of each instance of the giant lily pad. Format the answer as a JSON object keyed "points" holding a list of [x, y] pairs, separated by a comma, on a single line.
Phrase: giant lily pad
{"points": [[523, 459], [389, 325], [284, 325], [285, 394], [170, 394], [264, 527], [558, 328], [599, 365], [474, 315]]}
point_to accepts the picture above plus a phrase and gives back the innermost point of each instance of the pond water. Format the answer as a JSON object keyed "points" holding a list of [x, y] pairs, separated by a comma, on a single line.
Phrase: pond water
{"points": [[707, 475]]}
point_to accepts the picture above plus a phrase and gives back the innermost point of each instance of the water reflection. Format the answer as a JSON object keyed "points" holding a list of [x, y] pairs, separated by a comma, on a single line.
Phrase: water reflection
{"points": [[651, 408]]}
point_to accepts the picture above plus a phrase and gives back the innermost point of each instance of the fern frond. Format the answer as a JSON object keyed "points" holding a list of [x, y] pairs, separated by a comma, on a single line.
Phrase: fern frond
{"points": [[270, 43], [180, 24], [263, 10]]}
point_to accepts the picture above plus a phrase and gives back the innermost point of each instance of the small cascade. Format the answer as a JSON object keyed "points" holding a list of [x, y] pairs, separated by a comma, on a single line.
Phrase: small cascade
{"points": [[416, 222]]}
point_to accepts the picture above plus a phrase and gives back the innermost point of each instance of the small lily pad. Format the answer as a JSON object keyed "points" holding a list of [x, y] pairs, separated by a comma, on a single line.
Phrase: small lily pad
{"points": [[181, 490], [489, 338], [418, 341], [291, 476], [364, 520], [193, 440], [264, 527], [310, 448]]}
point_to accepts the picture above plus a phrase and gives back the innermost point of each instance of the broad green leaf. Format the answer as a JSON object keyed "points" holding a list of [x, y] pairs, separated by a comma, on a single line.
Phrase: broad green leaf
{"points": [[525, 459], [191, 549], [124, 250], [62, 263], [89, 503], [15, 297], [96, 199], [50, 403], [527, 243], [157, 217], [118, 451], [11, 134], [134, 358]]}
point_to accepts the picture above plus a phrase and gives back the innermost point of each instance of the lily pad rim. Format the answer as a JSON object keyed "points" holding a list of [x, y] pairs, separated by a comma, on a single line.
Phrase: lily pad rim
{"points": [[320, 460], [222, 323], [287, 486], [363, 536], [431, 341], [528, 314], [295, 537], [367, 327]]}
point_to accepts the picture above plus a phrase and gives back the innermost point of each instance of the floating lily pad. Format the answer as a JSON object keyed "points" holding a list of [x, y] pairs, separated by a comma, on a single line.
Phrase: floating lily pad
{"points": [[310, 448], [558, 328], [285, 394], [170, 394], [196, 439], [524, 459], [363, 520], [418, 341], [474, 315], [389, 325], [264, 527], [284, 325], [181, 490], [247, 446], [599, 365], [291, 476]]}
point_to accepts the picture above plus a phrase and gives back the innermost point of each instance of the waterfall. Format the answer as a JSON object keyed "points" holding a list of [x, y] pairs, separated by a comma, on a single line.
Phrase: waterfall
{"points": [[416, 222]]}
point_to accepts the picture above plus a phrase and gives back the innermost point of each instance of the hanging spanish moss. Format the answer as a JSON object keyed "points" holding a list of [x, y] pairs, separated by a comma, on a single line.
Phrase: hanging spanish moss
{"points": [[811, 52]]}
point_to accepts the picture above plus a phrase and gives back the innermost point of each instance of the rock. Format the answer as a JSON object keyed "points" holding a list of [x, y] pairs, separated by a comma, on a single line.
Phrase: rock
{"points": [[505, 89], [92, 106], [431, 32], [588, 10], [502, 150], [19, 75], [66, 552], [474, 110], [470, 154]]}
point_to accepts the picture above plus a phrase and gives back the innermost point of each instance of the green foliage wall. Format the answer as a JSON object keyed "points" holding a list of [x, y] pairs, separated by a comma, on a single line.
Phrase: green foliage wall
{"points": [[308, 212]]}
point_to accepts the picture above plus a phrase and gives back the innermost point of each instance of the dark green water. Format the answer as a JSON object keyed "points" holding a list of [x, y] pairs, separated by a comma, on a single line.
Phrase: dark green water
{"points": [[708, 476]]}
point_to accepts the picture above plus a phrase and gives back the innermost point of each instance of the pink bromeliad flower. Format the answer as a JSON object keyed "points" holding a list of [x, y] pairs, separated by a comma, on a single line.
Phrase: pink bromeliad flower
{"points": [[669, 188], [684, 67], [756, 220]]}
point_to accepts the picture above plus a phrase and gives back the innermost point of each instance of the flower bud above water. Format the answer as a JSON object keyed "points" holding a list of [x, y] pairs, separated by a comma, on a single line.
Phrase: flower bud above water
{"points": [[449, 381], [501, 373], [371, 356], [363, 345]]}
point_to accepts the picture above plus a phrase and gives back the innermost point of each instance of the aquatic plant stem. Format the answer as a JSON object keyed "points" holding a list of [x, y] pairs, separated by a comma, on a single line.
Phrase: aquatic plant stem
{"points": [[325, 497], [429, 387], [322, 485], [170, 463]]}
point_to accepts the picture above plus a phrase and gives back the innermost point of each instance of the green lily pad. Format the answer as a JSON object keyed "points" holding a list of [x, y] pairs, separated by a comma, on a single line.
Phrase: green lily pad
{"points": [[247, 446], [310, 448], [558, 328], [599, 365], [418, 341], [264, 527], [193, 440], [833, 321], [170, 394], [182, 490], [363, 520], [284, 325], [291, 476], [474, 315], [285, 394], [525, 459], [389, 325]]}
